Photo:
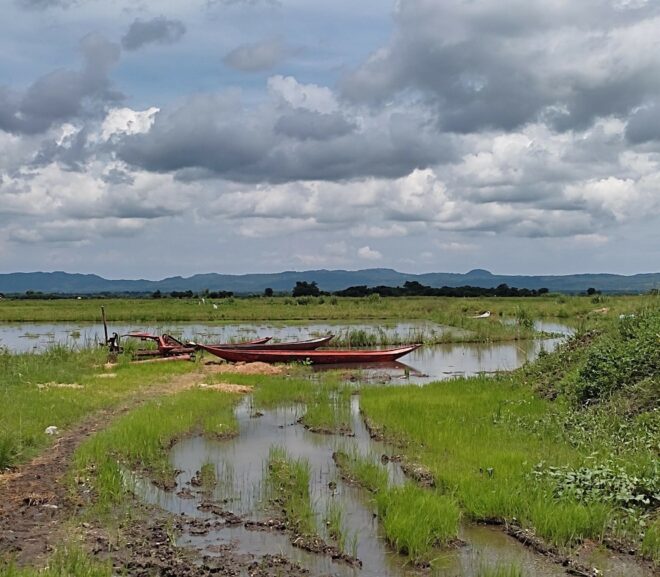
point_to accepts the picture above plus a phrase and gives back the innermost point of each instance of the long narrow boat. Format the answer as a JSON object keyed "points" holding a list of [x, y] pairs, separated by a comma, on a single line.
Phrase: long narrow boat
{"points": [[308, 345], [324, 357], [168, 345]]}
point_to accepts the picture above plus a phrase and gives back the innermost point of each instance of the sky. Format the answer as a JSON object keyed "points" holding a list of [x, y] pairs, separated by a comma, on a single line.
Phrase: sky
{"points": [[145, 139]]}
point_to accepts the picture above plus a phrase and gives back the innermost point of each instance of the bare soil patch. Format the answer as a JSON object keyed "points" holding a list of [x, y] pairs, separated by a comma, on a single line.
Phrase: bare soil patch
{"points": [[257, 368]]}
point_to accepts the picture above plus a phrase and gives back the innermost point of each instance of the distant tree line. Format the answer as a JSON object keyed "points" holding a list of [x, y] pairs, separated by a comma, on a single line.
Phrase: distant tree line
{"points": [[415, 288]]}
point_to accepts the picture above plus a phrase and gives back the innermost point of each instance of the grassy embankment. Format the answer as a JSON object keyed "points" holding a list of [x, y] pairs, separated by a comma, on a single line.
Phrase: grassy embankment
{"points": [[581, 466], [452, 312], [61, 387]]}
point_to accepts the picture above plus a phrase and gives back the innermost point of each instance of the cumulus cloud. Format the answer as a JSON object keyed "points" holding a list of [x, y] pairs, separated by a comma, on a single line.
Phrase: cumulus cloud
{"points": [[257, 56], [368, 253], [62, 95], [485, 67], [470, 123], [159, 30], [218, 135]]}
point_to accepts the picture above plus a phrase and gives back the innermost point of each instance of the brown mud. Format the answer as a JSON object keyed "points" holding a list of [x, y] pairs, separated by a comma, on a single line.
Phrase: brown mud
{"points": [[147, 547]]}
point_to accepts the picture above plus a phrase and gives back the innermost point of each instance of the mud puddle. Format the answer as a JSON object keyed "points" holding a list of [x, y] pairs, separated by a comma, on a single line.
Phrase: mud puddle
{"points": [[235, 513]]}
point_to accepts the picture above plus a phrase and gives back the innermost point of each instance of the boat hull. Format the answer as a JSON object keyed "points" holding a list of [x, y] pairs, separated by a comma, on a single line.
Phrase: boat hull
{"points": [[325, 357], [308, 345]]}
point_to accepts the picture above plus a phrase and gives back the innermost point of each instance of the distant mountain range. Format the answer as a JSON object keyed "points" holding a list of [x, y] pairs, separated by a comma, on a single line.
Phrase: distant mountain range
{"points": [[327, 280]]}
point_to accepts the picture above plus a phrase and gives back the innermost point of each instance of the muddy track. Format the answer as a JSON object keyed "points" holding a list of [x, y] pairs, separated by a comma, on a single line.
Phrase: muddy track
{"points": [[37, 499]]}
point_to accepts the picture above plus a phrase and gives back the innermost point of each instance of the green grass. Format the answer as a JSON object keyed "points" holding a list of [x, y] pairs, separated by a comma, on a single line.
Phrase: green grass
{"points": [[651, 542], [454, 312], [417, 521], [29, 403], [484, 438], [499, 570], [457, 430], [68, 561], [365, 471], [329, 409], [141, 440], [287, 484]]}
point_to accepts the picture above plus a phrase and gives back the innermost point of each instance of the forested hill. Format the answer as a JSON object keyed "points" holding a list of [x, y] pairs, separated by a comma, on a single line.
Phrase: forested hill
{"points": [[327, 280]]}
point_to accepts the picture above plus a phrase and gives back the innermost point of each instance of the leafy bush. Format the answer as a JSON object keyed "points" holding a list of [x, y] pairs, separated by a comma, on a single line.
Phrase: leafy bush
{"points": [[604, 483], [622, 360]]}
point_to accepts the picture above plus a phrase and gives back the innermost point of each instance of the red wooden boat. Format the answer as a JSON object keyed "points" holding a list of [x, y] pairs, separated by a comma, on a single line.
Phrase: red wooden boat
{"points": [[308, 345], [324, 357], [168, 345]]}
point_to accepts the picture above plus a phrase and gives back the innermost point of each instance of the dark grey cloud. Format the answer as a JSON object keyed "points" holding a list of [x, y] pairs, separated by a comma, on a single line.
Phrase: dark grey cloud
{"points": [[62, 95], [212, 3], [644, 124], [117, 176], [45, 4], [308, 124], [484, 67], [158, 30], [208, 136], [257, 56], [71, 152]]}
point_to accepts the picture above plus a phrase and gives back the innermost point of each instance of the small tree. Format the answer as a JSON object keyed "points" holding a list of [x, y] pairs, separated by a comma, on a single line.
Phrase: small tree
{"points": [[268, 292], [305, 289]]}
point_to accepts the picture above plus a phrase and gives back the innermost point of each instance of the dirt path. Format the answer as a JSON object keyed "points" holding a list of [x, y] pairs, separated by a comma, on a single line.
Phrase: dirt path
{"points": [[36, 500]]}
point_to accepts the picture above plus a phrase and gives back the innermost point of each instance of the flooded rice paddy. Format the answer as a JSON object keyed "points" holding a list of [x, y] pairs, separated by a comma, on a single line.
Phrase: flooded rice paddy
{"points": [[431, 362], [235, 512], [241, 465]]}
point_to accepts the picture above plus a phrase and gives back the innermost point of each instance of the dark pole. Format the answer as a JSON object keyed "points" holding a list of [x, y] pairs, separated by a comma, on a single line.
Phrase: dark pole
{"points": [[105, 325]]}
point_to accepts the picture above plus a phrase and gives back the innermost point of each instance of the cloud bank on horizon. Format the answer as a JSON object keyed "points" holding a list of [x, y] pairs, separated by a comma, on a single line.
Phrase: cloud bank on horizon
{"points": [[255, 135]]}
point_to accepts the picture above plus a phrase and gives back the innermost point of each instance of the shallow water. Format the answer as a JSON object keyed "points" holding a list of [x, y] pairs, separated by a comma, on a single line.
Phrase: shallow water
{"points": [[240, 468], [431, 362]]}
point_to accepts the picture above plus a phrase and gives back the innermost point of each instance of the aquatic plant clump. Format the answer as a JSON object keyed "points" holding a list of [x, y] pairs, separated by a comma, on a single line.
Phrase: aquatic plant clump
{"points": [[288, 489]]}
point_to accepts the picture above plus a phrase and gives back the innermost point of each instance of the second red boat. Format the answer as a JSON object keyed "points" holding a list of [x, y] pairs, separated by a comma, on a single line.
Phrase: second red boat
{"points": [[322, 357]]}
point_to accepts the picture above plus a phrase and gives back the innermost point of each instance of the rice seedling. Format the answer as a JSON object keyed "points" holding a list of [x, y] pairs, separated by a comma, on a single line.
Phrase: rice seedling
{"points": [[651, 543], [334, 522], [362, 470], [499, 570], [329, 411], [416, 521], [287, 484]]}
